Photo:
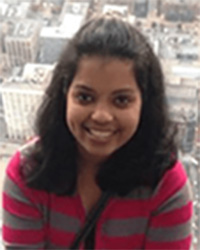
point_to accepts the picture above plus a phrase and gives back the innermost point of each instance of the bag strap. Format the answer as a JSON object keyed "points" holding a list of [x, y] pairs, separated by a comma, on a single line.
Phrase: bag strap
{"points": [[91, 220]]}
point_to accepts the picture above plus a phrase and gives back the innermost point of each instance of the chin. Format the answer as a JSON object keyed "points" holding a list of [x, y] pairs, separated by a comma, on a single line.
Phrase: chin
{"points": [[99, 153]]}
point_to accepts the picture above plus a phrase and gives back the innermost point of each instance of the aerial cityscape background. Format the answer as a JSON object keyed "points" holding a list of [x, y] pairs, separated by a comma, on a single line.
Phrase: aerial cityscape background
{"points": [[33, 34]]}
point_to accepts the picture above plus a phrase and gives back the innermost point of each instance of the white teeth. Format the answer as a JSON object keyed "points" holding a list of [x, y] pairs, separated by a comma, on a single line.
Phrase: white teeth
{"points": [[101, 134]]}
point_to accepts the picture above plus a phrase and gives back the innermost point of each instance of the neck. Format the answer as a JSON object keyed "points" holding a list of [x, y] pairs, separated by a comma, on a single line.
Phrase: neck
{"points": [[86, 184], [88, 161], [88, 166]]}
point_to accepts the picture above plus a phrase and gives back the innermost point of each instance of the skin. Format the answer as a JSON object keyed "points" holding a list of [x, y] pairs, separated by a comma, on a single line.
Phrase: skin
{"points": [[103, 111]]}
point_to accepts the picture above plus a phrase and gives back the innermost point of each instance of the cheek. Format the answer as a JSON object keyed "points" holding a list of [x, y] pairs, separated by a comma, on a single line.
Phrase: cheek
{"points": [[70, 114], [130, 123], [74, 116], [71, 117]]}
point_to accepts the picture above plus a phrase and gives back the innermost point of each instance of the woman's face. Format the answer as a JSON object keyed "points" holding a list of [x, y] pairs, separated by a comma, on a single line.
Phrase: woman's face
{"points": [[103, 105]]}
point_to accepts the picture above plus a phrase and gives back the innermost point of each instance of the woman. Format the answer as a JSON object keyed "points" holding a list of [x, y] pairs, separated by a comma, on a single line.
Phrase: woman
{"points": [[103, 136]]}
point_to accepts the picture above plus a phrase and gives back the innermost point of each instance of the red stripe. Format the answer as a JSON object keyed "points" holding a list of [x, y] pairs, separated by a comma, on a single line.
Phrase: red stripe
{"points": [[18, 208], [22, 236], [173, 180], [13, 165], [122, 209], [38, 197], [60, 203], [133, 242], [61, 238], [174, 217]]}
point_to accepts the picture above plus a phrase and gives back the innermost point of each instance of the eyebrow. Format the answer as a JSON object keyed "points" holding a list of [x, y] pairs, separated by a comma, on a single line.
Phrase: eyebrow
{"points": [[83, 87], [118, 91]]}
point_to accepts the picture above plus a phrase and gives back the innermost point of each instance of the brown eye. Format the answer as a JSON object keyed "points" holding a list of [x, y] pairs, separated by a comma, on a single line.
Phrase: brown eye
{"points": [[84, 98], [122, 101]]}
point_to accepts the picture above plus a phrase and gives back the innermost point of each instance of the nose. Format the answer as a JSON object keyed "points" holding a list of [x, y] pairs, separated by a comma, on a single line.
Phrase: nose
{"points": [[102, 115]]}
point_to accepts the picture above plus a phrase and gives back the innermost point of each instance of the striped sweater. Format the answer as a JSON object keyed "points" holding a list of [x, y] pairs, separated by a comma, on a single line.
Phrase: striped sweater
{"points": [[35, 219]]}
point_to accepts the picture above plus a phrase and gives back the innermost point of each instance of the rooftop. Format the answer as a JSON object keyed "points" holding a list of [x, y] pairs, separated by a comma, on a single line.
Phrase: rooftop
{"points": [[76, 8], [123, 9], [55, 32], [17, 86], [22, 28], [37, 73], [186, 71], [181, 92], [14, 11], [34, 78]]}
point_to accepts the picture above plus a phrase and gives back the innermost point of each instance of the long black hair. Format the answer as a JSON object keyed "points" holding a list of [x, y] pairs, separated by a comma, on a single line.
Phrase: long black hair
{"points": [[142, 160]]}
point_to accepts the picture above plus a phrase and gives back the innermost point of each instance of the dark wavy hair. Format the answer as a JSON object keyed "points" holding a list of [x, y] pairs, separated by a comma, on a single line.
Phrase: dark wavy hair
{"points": [[143, 160]]}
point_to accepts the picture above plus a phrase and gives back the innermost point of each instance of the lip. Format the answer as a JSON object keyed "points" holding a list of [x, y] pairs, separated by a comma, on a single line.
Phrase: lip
{"points": [[99, 134], [102, 134], [99, 129]]}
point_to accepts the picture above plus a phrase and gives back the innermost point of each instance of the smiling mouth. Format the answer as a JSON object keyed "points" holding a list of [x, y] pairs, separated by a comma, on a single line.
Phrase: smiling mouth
{"points": [[100, 134]]}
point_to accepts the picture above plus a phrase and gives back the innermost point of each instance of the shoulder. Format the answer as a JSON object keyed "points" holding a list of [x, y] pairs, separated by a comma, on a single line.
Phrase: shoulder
{"points": [[170, 224], [13, 167], [174, 185], [19, 159], [14, 178], [173, 178], [28, 147]]}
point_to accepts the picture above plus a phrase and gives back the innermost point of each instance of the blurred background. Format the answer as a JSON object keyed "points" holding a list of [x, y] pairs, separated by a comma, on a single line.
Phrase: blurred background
{"points": [[32, 36]]}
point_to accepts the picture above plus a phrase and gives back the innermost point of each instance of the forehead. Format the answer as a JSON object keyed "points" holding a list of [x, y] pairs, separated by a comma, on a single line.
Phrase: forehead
{"points": [[97, 70], [105, 63]]}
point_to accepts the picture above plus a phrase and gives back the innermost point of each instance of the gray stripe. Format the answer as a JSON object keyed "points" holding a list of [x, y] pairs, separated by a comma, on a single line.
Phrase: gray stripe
{"points": [[125, 227], [23, 247], [56, 247], [178, 200], [64, 222], [13, 191], [15, 222], [173, 233], [140, 193]]}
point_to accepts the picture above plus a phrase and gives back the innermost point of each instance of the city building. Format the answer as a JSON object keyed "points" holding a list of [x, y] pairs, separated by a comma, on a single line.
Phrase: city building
{"points": [[1, 103], [141, 8], [182, 46], [183, 71], [154, 7], [18, 103], [183, 104], [73, 13], [52, 42], [47, 12], [21, 97], [180, 10], [174, 42], [15, 9], [54, 38], [38, 74], [5, 63], [22, 41], [180, 2], [125, 7]]}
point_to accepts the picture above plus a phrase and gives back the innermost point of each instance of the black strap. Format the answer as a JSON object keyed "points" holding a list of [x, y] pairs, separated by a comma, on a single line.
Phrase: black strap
{"points": [[91, 220]]}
